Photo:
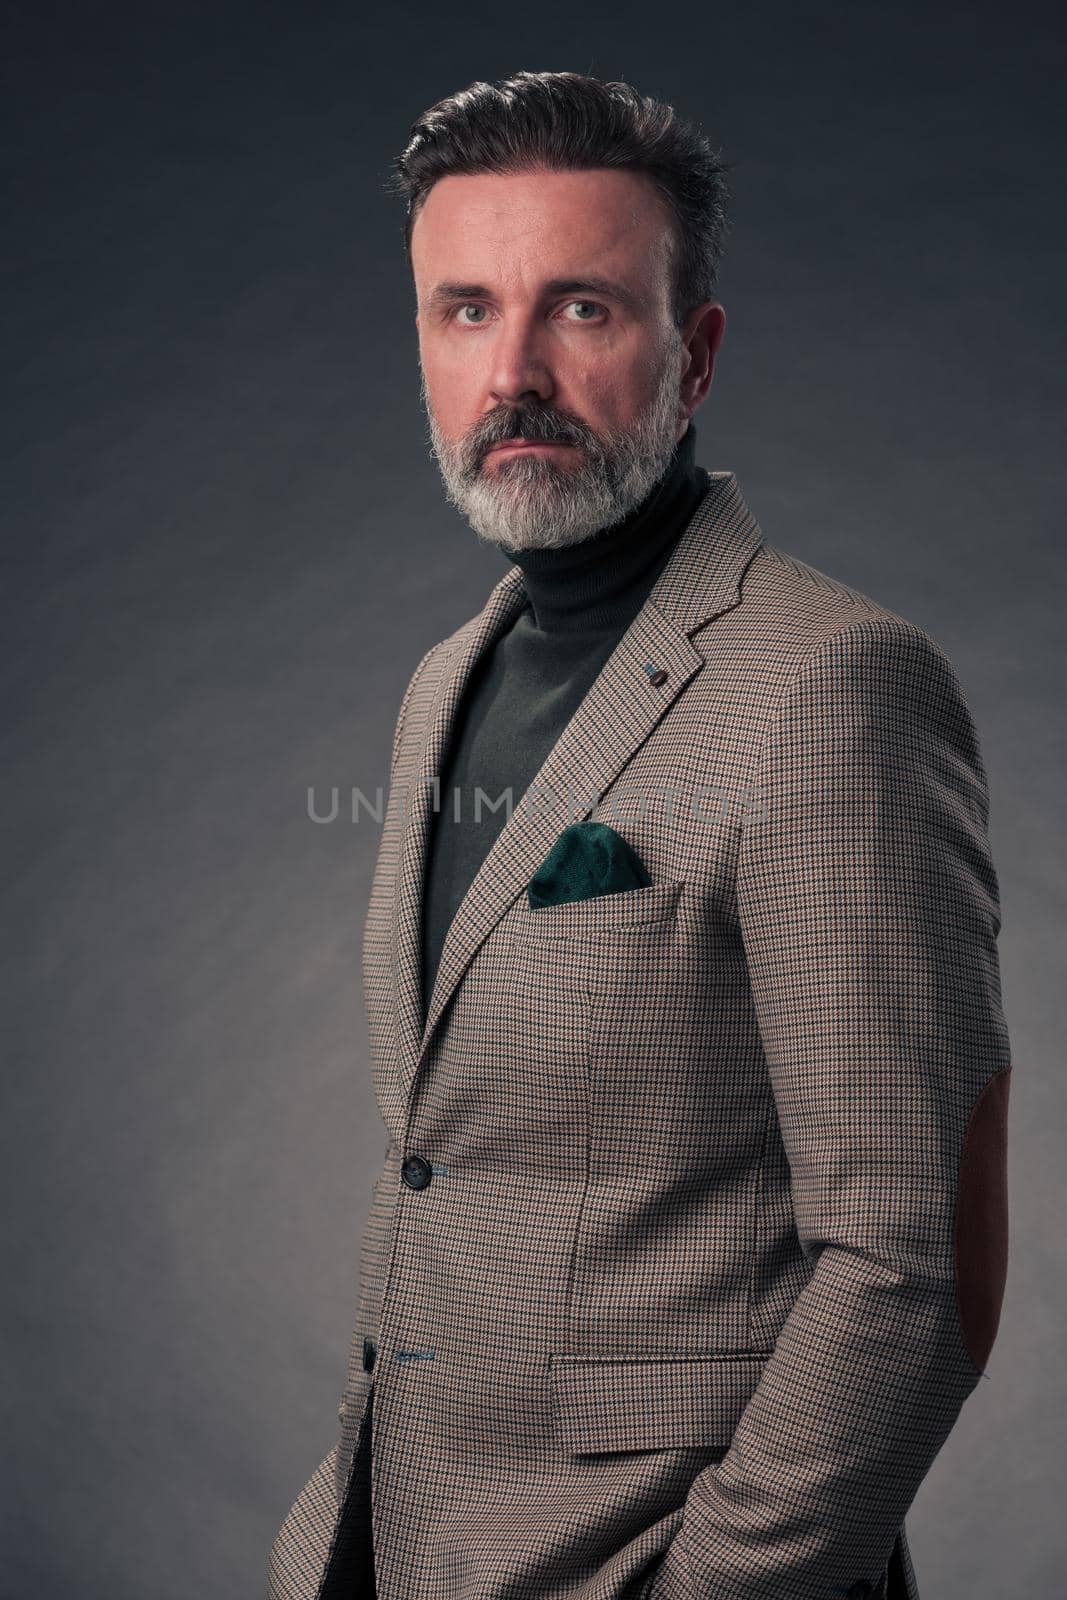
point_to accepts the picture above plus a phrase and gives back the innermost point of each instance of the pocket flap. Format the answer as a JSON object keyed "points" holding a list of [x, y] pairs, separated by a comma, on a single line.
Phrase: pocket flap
{"points": [[650, 1402]]}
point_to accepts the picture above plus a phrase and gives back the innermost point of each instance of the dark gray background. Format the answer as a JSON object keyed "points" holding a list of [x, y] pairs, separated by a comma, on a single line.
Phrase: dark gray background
{"points": [[227, 547]]}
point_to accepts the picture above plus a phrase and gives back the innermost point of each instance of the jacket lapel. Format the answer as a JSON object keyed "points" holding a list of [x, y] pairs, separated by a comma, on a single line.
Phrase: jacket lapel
{"points": [[700, 581]]}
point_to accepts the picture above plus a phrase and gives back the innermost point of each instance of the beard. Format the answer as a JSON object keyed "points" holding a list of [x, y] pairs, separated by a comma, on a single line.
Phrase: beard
{"points": [[528, 501]]}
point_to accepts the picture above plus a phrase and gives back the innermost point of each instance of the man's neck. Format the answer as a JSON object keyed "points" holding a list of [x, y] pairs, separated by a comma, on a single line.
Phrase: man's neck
{"points": [[591, 586]]}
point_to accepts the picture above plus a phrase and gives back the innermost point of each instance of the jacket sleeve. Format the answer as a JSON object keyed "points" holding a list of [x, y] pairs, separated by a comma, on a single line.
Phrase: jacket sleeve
{"points": [[869, 913]]}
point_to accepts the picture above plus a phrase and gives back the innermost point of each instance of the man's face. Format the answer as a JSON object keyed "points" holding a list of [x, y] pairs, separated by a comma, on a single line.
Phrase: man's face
{"points": [[544, 313]]}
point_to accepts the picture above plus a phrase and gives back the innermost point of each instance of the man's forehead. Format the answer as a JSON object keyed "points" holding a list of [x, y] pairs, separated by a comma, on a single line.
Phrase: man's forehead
{"points": [[547, 227]]}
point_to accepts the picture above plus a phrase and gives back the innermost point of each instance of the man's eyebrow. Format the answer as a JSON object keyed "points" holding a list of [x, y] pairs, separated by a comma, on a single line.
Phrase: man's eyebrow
{"points": [[448, 292]]}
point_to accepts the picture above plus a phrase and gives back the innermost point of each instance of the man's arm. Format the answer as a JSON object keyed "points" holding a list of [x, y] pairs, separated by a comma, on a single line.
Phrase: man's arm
{"points": [[869, 912]]}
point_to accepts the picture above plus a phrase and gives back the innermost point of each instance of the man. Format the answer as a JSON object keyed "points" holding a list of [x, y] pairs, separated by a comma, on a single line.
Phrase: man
{"points": [[691, 1237]]}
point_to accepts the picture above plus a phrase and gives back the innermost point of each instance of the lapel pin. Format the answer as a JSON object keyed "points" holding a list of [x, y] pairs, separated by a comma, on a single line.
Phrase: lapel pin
{"points": [[656, 675]]}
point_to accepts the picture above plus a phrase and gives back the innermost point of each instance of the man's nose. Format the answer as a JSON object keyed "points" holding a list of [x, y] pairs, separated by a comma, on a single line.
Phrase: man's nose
{"points": [[519, 367]]}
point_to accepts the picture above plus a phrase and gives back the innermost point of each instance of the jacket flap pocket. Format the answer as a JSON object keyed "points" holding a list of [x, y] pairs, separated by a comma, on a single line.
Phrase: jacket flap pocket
{"points": [[650, 1403]]}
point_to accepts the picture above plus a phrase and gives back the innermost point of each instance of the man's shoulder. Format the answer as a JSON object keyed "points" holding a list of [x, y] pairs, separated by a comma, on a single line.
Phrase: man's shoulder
{"points": [[805, 646], [792, 612], [805, 597]]}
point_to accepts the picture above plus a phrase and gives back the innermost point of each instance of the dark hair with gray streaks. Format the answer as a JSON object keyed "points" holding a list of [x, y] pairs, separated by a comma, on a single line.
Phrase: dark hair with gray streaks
{"points": [[567, 121]]}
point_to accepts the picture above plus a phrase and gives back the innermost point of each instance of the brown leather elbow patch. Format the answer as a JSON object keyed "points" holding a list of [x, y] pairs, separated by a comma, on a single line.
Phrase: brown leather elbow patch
{"points": [[981, 1233]]}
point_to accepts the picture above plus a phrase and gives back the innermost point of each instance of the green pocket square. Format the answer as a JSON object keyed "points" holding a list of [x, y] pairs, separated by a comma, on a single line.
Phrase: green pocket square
{"points": [[588, 858]]}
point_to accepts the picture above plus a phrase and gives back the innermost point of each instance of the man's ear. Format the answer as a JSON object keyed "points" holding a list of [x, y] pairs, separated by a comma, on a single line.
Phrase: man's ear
{"points": [[702, 334]]}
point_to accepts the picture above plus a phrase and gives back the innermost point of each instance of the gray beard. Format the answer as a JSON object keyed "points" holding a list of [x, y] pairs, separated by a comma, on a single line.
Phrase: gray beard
{"points": [[529, 502]]}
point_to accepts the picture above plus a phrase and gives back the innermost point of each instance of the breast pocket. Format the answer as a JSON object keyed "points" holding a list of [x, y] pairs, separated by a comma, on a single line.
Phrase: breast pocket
{"points": [[592, 918], [602, 958], [615, 948]]}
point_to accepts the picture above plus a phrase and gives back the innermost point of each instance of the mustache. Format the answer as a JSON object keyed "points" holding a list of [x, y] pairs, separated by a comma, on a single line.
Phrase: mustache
{"points": [[542, 425]]}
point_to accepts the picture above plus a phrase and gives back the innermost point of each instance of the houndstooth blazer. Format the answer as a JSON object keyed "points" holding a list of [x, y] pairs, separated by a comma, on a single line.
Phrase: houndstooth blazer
{"points": [[691, 1236]]}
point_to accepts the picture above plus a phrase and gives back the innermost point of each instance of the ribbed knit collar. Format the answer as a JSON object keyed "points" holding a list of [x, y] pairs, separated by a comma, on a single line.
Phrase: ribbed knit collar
{"points": [[601, 582]]}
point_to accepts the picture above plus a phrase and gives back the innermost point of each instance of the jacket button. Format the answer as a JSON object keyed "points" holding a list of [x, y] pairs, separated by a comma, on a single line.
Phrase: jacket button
{"points": [[369, 1352], [860, 1590], [416, 1172]]}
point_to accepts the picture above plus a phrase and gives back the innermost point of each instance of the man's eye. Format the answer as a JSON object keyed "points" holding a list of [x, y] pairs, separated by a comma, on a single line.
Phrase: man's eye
{"points": [[589, 305]]}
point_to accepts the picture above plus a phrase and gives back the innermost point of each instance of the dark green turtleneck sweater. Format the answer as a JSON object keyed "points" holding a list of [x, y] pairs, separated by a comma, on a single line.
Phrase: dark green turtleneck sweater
{"points": [[524, 691]]}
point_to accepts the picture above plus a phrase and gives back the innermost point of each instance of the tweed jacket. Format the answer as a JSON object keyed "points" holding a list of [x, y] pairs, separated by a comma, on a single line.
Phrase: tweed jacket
{"points": [[690, 1238]]}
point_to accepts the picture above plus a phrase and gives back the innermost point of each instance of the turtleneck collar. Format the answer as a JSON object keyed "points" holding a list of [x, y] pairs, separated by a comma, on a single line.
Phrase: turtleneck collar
{"points": [[598, 583]]}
